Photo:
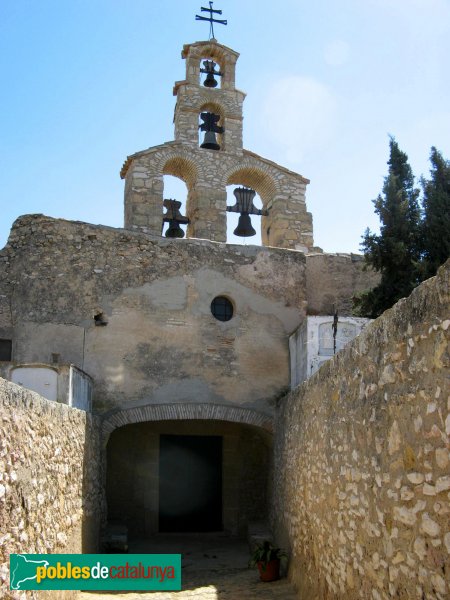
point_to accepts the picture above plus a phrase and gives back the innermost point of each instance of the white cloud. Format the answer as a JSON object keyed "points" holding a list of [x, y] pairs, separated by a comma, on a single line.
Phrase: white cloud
{"points": [[298, 115]]}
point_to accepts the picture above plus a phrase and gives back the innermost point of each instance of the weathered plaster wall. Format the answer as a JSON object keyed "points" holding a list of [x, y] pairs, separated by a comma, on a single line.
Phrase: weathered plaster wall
{"points": [[50, 484], [161, 343], [362, 461]]}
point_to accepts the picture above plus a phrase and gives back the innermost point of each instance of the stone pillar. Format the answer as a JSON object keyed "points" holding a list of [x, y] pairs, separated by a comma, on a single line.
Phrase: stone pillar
{"points": [[193, 67], [186, 119], [233, 134], [288, 224], [229, 72], [206, 209], [143, 200]]}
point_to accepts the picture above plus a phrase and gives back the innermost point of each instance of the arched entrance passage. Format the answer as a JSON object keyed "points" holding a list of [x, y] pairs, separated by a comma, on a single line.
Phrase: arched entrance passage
{"points": [[185, 411], [188, 474]]}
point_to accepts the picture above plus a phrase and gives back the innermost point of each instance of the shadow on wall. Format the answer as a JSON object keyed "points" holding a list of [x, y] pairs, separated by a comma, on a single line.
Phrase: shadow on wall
{"points": [[93, 494]]}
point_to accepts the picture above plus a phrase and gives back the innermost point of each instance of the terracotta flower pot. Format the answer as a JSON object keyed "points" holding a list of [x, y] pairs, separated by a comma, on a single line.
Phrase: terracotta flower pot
{"points": [[269, 571]]}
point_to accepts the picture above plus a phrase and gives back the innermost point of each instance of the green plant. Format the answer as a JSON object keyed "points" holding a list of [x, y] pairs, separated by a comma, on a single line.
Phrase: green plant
{"points": [[264, 553]]}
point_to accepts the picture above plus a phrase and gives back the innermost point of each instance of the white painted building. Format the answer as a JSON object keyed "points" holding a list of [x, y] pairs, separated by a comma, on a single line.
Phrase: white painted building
{"points": [[315, 342]]}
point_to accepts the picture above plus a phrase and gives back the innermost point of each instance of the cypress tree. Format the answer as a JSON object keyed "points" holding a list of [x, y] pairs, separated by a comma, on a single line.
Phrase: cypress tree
{"points": [[436, 220], [395, 251]]}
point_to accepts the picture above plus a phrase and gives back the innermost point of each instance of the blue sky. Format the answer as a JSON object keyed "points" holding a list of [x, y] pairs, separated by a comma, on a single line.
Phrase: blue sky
{"points": [[87, 82]]}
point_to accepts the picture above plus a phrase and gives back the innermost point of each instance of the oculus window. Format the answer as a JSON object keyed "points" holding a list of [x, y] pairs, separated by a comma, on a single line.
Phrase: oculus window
{"points": [[222, 308]]}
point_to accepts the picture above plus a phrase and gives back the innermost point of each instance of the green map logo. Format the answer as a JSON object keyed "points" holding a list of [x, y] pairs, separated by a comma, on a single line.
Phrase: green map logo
{"points": [[95, 572], [24, 570]]}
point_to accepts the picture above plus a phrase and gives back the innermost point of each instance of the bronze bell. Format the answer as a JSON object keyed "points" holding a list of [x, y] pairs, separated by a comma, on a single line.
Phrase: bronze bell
{"points": [[210, 127], [210, 141], [210, 82], [209, 69], [174, 230], [244, 205], [174, 218], [244, 227]]}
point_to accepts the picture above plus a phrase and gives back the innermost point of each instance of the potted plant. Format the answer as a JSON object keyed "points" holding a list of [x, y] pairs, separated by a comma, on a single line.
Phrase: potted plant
{"points": [[267, 558]]}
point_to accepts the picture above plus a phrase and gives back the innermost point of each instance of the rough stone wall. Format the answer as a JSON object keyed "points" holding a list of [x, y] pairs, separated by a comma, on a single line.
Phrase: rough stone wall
{"points": [[362, 461], [161, 343], [333, 279], [50, 484], [6, 321]]}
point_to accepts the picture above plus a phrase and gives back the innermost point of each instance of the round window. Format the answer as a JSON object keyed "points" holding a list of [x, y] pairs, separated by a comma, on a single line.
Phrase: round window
{"points": [[222, 308]]}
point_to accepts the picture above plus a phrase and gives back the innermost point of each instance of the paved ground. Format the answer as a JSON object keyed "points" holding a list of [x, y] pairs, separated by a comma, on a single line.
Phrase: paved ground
{"points": [[214, 567]]}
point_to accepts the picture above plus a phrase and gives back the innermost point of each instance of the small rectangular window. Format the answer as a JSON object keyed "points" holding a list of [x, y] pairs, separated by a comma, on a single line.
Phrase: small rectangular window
{"points": [[5, 349]]}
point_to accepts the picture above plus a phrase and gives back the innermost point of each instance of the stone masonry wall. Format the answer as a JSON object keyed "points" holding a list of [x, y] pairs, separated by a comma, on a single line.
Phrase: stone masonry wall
{"points": [[161, 343], [206, 174], [333, 279], [362, 461], [50, 484]]}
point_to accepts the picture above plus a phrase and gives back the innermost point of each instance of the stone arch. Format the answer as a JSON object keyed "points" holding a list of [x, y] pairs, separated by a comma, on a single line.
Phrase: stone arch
{"points": [[179, 166], [131, 455], [179, 163], [261, 178], [256, 177], [185, 411], [212, 50], [215, 107]]}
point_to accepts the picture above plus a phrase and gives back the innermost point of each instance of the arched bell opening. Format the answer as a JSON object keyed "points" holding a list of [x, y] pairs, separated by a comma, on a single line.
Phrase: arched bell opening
{"points": [[225, 59], [242, 228], [264, 186], [174, 205], [179, 177], [188, 476], [211, 127]]}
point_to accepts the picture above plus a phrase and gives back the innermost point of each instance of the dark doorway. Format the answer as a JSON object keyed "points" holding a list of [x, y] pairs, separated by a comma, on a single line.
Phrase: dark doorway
{"points": [[190, 483]]}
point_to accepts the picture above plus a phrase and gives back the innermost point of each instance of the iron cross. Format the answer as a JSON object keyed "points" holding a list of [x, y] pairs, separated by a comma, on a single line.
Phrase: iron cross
{"points": [[211, 18]]}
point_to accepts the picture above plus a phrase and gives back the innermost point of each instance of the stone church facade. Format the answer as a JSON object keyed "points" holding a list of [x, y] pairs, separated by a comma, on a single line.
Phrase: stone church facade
{"points": [[121, 322]]}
